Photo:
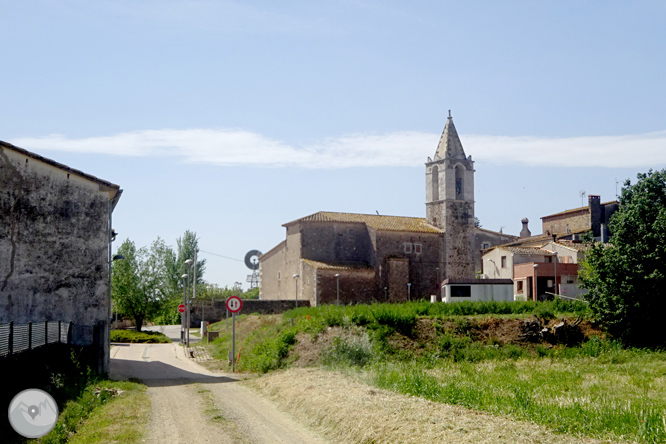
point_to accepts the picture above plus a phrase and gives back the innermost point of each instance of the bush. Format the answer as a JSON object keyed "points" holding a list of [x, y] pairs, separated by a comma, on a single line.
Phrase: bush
{"points": [[153, 337], [353, 351]]}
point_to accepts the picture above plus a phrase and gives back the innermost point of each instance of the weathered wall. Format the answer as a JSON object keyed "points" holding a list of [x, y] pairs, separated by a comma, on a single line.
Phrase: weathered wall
{"points": [[336, 242], [272, 273], [572, 221], [424, 268], [459, 239], [356, 286], [53, 244], [217, 311]]}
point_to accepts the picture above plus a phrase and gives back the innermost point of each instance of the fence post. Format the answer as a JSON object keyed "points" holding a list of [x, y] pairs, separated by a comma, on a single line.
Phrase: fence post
{"points": [[29, 335], [11, 337]]}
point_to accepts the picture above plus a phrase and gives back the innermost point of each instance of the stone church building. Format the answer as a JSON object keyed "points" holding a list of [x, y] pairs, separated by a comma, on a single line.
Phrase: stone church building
{"points": [[366, 258]]}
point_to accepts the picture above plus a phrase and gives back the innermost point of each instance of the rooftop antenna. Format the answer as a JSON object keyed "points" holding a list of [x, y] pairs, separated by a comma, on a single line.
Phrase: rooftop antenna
{"points": [[582, 198]]}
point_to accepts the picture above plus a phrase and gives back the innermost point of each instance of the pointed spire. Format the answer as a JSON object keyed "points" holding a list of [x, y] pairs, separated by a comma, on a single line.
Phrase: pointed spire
{"points": [[449, 144]]}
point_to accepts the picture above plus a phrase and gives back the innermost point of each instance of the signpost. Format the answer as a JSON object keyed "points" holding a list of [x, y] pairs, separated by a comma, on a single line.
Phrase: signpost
{"points": [[181, 308], [234, 305]]}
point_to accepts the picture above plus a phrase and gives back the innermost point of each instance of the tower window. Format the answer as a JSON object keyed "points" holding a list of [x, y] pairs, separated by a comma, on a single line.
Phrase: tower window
{"points": [[460, 191], [408, 247], [435, 183], [417, 248]]}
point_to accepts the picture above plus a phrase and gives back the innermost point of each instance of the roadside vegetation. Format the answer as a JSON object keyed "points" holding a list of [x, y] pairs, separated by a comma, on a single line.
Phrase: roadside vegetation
{"points": [[153, 337], [484, 356]]}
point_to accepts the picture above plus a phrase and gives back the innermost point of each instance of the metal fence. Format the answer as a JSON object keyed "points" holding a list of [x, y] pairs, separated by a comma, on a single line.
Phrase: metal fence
{"points": [[15, 338]]}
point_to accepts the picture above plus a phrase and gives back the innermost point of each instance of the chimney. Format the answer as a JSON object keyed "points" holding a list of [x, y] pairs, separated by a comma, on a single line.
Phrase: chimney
{"points": [[525, 232], [595, 214]]}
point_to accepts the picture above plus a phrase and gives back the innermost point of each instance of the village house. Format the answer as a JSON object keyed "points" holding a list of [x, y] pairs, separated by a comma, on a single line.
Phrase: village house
{"points": [[55, 247], [547, 264], [330, 256]]}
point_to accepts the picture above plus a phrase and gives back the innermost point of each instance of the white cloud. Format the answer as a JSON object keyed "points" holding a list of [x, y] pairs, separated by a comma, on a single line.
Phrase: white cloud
{"points": [[228, 147]]}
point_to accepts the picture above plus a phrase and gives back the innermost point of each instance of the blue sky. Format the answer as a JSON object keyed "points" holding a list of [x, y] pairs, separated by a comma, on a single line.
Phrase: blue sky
{"points": [[232, 118]]}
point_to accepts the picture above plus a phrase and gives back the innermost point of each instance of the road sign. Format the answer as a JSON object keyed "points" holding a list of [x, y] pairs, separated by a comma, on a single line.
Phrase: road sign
{"points": [[181, 308], [234, 304]]}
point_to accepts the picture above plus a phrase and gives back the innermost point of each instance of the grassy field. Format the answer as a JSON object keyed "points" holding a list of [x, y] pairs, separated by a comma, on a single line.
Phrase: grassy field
{"points": [[596, 388]]}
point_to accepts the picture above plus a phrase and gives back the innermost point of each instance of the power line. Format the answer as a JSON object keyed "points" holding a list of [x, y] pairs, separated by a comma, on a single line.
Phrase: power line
{"points": [[219, 255]]}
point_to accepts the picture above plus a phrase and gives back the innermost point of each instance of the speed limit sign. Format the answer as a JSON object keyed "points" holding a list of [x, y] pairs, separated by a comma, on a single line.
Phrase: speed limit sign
{"points": [[234, 304]]}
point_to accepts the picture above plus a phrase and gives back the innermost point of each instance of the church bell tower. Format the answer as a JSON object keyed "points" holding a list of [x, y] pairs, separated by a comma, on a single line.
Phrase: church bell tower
{"points": [[450, 202]]}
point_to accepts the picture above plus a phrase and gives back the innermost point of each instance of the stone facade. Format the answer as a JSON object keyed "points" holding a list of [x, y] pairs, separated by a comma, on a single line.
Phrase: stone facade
{"points": [[593, 218], [55, 232]]}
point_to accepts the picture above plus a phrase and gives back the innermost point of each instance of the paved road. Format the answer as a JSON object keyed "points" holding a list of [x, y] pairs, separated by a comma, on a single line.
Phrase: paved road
{"points": [[171, 331], [193, 405]]}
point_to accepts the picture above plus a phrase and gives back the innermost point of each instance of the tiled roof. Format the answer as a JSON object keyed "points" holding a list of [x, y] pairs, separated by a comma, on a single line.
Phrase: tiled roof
{"points": [[578, 246], [325, 266], [380, 223], [527, 250]]}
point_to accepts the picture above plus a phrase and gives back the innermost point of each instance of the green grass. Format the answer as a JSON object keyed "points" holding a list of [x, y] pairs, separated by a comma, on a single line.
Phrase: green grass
{"points": [[153, 337], [597, 389], [616, 395], [106, 411]]}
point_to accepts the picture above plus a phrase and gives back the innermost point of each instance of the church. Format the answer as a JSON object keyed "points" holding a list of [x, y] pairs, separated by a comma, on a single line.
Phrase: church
{"points": [[330, 257]]}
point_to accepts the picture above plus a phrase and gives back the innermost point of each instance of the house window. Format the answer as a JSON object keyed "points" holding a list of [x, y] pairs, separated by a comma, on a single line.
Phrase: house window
{"points": [[408, 247], [417, 248], [503, 261], [548, 259], [519, 287], [461, 291], [485, 246]]}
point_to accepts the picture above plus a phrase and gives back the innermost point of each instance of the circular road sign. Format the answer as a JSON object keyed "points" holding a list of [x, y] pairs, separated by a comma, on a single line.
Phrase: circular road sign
{"points": [[234, 304], [181, 308]]}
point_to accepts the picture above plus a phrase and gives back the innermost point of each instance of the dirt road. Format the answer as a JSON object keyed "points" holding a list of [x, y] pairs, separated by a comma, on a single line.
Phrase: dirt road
{"points": [[193, 405]]}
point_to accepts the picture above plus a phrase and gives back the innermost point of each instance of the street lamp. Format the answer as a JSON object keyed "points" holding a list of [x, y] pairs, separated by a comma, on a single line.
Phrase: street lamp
{"points": [[182, 315], [189, 263], [534, 296], [296, 276], [409, 291], [491, 260], [337, 279], [555, 283]]}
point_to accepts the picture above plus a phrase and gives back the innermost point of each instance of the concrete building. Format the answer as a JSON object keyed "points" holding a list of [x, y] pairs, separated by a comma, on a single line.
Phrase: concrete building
{"points": [[55, 246], [365, 258]]}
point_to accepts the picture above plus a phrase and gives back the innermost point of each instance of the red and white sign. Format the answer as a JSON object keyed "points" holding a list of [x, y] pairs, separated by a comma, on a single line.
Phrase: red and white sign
{"points": [[234, 304], [181, 308]]}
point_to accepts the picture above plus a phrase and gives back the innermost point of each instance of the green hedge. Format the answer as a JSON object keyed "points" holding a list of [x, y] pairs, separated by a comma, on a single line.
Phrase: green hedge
{"points": [[153, 337]]}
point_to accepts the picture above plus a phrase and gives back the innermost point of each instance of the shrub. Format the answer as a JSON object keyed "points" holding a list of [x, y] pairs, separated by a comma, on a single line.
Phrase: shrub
{"points": [[153, 337]]}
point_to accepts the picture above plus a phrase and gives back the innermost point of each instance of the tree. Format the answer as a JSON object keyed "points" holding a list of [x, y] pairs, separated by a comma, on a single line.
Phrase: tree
{"points": [[169, 287], [626, 278], [134, 284], [186, 246]]}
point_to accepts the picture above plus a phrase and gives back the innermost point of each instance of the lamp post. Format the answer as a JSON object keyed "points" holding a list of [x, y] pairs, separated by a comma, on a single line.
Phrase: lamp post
{"points": [[555, 283], [409, 291], [337, 279], [491, 260], [182, 315], [534, 296], [188, 262], [296, 276]]}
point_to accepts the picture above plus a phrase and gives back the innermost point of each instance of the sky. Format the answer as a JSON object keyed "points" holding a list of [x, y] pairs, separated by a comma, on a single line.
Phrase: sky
{"points": [[231, 118]]}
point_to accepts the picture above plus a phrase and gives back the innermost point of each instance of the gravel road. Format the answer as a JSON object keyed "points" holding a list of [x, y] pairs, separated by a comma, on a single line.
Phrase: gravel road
{"points": [[193, 405]]}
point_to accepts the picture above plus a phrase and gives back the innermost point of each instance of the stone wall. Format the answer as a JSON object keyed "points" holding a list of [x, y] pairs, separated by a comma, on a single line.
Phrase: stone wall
{"points": [[423, 269], [216, 311]]}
